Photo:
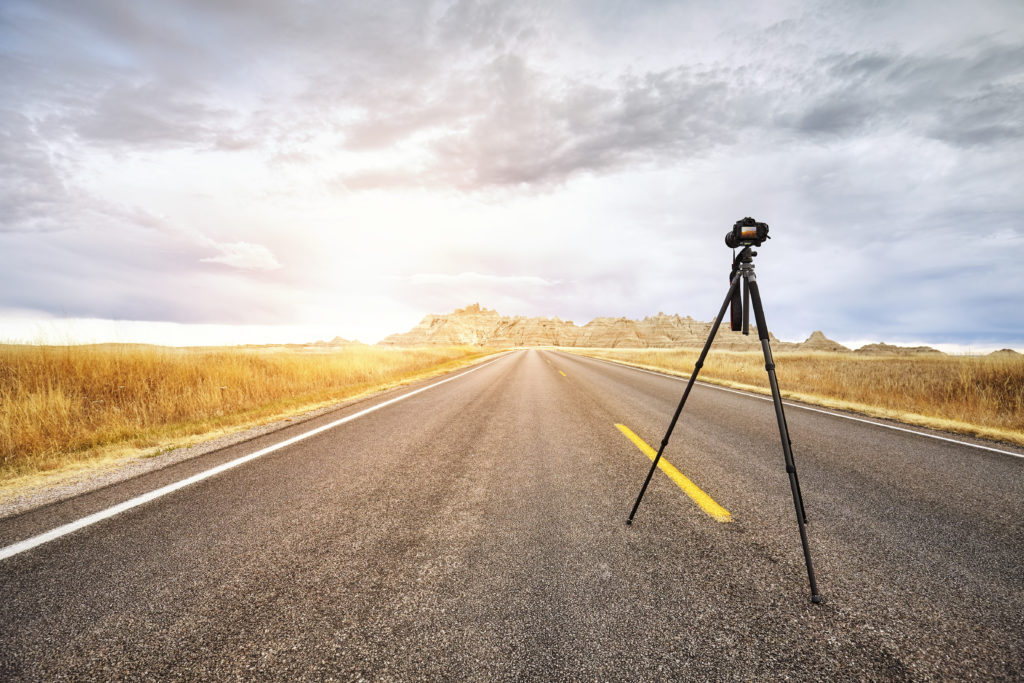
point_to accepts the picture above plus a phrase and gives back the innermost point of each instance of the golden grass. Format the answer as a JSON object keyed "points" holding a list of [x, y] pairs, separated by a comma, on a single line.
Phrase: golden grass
{"points": [[982, 396], [61, 406]]}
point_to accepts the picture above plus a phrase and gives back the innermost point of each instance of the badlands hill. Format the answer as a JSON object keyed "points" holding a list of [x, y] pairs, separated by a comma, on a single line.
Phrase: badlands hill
{"points": [[481, 326], [882, 349]]}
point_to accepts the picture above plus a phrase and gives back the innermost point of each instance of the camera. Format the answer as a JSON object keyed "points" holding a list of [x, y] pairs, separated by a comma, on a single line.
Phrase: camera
{"points": [[746, 233]]}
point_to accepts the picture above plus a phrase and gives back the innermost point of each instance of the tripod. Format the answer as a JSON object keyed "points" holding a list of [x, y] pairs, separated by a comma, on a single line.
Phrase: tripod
{"points": [[743, 272]]}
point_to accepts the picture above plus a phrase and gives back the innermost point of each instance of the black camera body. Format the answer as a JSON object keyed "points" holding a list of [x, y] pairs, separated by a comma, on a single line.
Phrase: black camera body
{"points": [[746, 233]]}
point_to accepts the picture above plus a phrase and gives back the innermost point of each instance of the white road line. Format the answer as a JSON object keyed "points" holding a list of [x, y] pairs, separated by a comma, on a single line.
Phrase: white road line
{"points": [[813, 410], [46, 537]]}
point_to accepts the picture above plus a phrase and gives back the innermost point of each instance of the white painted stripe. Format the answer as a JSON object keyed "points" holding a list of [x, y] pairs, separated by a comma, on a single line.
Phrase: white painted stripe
{"points": [[813, 410], [48, 536]]}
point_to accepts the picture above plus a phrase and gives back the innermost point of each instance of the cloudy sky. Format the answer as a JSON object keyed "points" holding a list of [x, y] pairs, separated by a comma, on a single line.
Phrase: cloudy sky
{"points": [[306, 169]]}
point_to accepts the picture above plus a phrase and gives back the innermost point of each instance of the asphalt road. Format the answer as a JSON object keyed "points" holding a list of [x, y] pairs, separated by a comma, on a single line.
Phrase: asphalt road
{"points": [[475, 531]]}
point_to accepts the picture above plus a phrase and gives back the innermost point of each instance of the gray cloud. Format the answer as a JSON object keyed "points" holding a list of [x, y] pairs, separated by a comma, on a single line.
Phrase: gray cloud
{"points": [[145, 115], [837, 115], [531, 129], [968, 97], [468, 78], [117, 270], [243, 255], [538, 133], [33, 195]]}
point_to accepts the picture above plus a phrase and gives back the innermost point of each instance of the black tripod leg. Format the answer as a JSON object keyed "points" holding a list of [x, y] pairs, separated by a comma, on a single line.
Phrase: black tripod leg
{"points": [[799, 494], [787, 450], [746, 308], [686, 393]]}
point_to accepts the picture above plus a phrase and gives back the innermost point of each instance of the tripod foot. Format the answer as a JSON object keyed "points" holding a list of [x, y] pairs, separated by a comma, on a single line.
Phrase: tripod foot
{"points": [[629, 522], [815, 599]]}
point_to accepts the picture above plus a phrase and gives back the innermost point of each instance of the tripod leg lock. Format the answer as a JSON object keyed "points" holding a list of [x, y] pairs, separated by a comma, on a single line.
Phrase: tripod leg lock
{"points": [[769, 367], [698, 365], [790, 469]]}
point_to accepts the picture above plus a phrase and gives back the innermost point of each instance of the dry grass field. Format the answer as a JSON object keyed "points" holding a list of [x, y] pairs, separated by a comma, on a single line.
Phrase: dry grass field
{"points": [[62, 405], [982, 396]]}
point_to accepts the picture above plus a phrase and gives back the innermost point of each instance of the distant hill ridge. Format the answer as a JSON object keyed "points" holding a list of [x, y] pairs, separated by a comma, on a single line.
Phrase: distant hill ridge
{"points": [[481, 326]]}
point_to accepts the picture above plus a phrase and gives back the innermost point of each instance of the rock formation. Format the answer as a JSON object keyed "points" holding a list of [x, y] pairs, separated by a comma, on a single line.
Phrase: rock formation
{"points": [[476, 325], [337, 341], [881, 349], [816, 342], [472, 325]]}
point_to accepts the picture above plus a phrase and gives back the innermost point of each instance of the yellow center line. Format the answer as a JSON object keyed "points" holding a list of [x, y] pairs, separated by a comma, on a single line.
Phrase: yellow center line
{"points": [[702, 499], [562, 373]]}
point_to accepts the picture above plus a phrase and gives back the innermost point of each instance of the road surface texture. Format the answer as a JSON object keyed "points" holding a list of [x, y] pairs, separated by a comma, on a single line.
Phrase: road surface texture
{"points": [[475, 531]]}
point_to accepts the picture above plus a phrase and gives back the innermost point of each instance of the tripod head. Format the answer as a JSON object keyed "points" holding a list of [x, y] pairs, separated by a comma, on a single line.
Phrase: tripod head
{"points": [[746, 255]]}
